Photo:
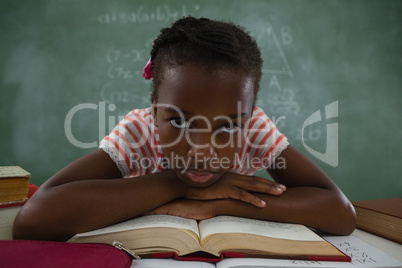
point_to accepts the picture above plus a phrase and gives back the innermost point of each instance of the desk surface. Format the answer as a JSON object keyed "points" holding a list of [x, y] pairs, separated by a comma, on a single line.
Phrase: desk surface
{"points": [[392, 249]]}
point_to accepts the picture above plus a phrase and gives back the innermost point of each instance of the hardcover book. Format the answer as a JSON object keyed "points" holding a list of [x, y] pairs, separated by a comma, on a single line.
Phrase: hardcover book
{"points": [[382, 217], [14, 184]]}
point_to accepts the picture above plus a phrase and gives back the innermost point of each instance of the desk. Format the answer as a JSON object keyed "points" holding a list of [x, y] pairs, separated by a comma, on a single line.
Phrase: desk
{"points": [[392, 249]]}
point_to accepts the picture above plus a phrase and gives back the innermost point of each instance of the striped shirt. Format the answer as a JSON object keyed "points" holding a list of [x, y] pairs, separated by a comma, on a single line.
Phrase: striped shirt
{"points": [[135, 148]]}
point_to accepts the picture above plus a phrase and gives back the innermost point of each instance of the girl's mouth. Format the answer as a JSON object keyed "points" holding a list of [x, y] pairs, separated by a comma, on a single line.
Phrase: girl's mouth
{"points": [[200, 176]]}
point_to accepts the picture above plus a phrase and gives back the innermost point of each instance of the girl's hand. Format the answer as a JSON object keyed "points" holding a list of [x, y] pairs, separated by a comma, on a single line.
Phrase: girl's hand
{"points": [[186, 208], [236, 186]]}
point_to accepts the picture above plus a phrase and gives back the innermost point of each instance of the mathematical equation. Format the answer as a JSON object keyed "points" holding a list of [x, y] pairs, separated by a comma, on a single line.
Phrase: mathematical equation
{"points": [[159, 13], [125, 64], [281, 101], [122, 67]]}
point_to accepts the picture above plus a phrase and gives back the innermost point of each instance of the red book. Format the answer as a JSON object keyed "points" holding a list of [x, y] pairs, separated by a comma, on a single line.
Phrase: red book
{"points": [[39, 254]]}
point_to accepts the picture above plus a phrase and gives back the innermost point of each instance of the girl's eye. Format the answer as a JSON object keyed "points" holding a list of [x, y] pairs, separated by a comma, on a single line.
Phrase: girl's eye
{"points": [[231, 128], [178, 122]]}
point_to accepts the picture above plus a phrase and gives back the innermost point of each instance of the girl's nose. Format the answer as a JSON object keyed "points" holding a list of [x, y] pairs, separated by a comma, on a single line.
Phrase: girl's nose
{"points": [[200, 146]]}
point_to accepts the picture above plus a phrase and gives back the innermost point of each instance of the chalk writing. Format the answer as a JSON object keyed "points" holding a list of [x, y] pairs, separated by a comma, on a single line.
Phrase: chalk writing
{"points": [[270, 45], [122, 63], [280, 101], [122, 98], [122, 66], [159, 13], [283, 103], [135, 55], [310, 135], [286, 33]]}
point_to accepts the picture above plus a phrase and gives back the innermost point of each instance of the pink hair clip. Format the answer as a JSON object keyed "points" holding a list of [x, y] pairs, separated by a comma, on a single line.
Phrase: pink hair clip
{"points": [[148, 71]]}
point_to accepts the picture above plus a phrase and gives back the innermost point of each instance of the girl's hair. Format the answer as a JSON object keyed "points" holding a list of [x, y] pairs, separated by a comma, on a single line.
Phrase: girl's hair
{"points": [[214, 45]]}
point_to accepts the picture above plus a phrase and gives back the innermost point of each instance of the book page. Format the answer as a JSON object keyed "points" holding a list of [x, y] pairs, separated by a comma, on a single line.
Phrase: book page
{"points": [[147, 222], [13, 171], [230, 224]]}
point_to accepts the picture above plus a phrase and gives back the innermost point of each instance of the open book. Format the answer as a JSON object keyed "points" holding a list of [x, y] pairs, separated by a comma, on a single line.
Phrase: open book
{"points": [[170, 236]]}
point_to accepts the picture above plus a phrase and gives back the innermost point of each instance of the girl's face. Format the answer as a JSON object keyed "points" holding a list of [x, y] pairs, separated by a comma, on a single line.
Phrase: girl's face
{"points": [[201, 115]]}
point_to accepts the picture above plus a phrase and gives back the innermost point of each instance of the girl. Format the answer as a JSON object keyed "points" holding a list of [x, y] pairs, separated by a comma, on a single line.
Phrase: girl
{"points": [[193, 153]]}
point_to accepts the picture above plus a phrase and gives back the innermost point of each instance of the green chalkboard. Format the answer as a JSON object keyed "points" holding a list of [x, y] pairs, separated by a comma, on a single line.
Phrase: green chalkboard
{"points": [[332, 79]]}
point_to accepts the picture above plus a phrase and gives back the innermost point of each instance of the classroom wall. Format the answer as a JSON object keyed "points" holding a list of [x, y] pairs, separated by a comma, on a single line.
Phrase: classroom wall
{"points": [[332, 79]]}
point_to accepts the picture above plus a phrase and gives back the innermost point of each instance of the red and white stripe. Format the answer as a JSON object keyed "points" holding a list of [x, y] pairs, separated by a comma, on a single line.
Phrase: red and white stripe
{"points": [[136, 136]]}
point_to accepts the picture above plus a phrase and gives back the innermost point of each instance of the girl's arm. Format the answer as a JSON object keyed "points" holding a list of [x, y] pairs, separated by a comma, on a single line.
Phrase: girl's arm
{"points": [[311, 198], [88, 194], [314, 198]]}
